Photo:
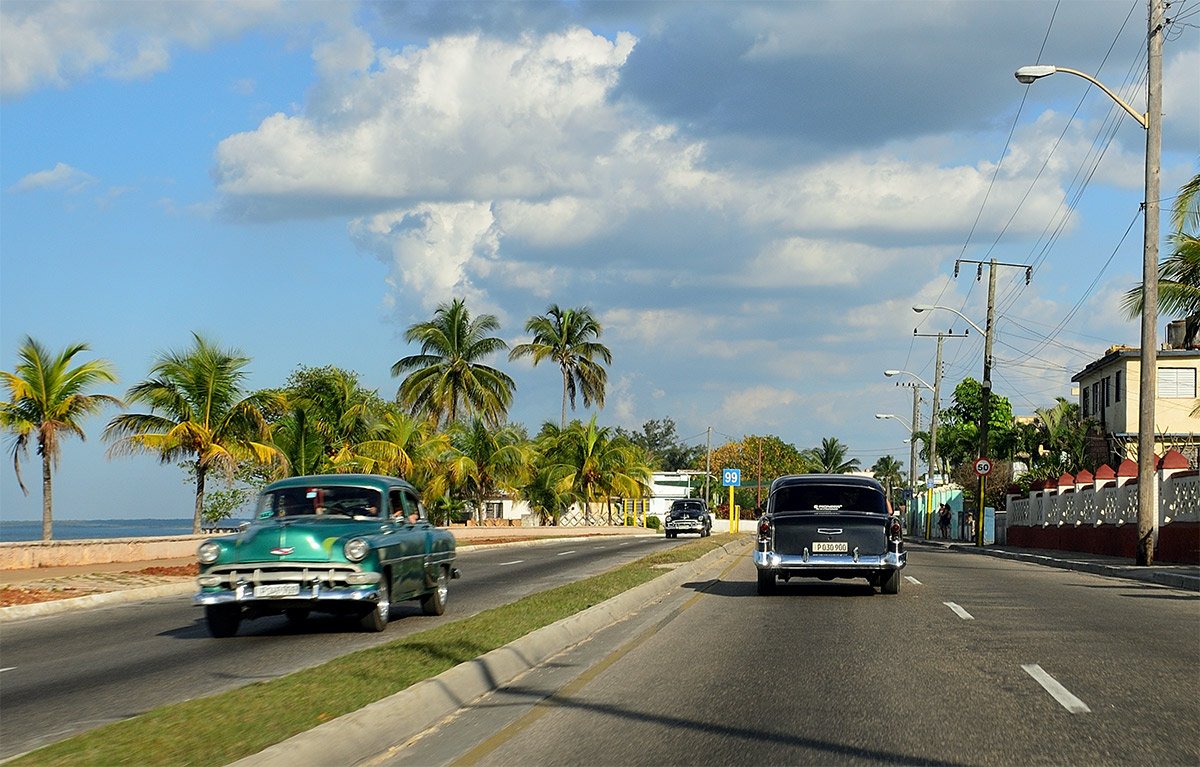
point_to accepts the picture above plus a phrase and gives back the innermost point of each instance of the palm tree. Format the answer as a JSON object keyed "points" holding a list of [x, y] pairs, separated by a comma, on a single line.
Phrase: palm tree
{"points": [[887, 470], [446, 380], [564, 336], [47, 399], [403, 446], [1179, 273], [830, 457], [198, 413], [483, 460], [599, 464]]}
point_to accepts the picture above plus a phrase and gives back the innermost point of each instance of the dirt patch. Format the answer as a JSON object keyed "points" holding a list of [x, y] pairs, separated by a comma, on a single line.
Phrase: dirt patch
{"points": [[192, 569], [11, 596]]}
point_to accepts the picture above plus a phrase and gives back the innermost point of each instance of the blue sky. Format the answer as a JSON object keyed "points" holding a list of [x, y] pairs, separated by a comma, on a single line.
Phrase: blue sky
{"points": [[750, 196]]}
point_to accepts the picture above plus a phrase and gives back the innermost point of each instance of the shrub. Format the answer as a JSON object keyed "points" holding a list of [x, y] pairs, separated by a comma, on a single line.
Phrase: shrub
{"points": [[652, 522]]}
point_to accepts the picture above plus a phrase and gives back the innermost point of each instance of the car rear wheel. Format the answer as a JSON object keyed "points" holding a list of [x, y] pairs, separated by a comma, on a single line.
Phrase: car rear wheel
{"points": [[223, 620], [376, 619], [766, 582], [891, 583], [434, 603]]}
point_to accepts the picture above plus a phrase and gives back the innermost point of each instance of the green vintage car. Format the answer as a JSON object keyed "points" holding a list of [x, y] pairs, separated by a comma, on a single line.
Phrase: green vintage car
{"points": [[350, 544]]}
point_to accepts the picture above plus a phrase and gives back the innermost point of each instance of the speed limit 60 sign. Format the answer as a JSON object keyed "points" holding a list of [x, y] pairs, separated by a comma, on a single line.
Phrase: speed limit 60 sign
{"points": [[983, 467]]}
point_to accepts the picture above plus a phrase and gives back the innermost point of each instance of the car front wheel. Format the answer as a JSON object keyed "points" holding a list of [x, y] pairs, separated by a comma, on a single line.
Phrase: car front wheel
{"points": [[377, 618], [434, 603], [223, 620]]}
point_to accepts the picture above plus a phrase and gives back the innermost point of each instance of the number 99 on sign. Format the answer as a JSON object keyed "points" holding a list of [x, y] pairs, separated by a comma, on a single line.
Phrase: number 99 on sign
{"points": [[731, 477]]}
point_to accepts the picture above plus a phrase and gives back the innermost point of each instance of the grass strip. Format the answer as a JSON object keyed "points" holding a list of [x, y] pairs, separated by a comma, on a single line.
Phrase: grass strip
{"points": [[225, 727]]}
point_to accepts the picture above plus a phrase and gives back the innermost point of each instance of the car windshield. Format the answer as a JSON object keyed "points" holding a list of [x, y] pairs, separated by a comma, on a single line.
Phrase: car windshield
{"points": [[682, 507], [828, 498], [301, 501]]}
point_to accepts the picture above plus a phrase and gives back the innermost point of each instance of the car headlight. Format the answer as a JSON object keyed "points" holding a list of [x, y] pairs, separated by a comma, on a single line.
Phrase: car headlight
{"points": [[208, 552], [357, 549]]}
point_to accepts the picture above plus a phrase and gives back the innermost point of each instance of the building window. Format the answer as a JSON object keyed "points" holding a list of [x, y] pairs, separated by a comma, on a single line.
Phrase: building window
{"points": [[1086, 402], [1095, 398], [1117, 387], [1177, 383], [1107, 391]]}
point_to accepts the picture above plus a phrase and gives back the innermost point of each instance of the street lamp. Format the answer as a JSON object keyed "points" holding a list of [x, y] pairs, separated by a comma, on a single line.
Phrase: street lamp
{"points": [[923, 382], [1151, 121], [883, 416], [912, 449], [929, 307]]}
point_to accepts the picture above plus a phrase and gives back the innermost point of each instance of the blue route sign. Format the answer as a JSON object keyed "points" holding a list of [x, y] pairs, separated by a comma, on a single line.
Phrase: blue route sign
{"points": [[731, 477]]}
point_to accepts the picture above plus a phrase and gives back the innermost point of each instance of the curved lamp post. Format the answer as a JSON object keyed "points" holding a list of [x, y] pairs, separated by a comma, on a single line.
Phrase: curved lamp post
{"points": [[1151, 121]]}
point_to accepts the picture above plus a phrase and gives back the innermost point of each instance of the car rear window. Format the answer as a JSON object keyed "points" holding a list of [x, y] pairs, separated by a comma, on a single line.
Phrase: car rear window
{"points": [[828, 498]]}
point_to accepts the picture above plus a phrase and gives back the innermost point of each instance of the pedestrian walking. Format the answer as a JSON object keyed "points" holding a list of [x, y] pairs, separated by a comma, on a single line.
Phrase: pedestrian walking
{"points": [[944, 520]]}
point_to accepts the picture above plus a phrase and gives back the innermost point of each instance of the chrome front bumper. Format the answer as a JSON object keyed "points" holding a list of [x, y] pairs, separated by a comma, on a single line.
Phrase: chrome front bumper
{"points": [[313, 584]]}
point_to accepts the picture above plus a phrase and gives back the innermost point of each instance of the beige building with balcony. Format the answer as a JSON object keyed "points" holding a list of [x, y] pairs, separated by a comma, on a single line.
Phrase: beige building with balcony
{"points": [[1109, 389]]}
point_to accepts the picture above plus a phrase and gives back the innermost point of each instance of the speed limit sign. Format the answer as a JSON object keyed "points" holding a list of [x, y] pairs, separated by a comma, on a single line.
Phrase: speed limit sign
{"points": [[983, 467]]}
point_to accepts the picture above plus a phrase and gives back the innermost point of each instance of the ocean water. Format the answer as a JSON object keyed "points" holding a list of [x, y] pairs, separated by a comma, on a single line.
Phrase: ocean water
{"points": [[76, 529]]}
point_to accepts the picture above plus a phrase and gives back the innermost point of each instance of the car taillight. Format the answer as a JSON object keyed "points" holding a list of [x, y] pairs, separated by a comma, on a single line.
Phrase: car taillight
{"points": [[894, 531], [764, 528]]}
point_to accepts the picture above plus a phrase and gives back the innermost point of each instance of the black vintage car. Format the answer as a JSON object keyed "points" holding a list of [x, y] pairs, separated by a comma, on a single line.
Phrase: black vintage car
{"points": [[688, 515], [829, 526]]}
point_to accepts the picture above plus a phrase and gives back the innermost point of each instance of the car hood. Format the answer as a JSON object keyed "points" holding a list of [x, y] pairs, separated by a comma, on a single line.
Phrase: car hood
{"points": [[311, 539]]}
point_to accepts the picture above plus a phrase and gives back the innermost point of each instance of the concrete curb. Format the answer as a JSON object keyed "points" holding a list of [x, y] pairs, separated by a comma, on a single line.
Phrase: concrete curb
{"points": [[381, 725], [56, 606]]}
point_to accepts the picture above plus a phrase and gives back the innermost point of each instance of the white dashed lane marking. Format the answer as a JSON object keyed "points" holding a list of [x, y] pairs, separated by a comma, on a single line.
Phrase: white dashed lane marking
{"points": [[959, 611], [564, 553], [514, 562], [1056, 690], [911, 579]]}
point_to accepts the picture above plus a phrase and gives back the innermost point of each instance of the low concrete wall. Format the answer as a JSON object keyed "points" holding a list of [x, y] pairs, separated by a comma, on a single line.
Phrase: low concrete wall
{"points": [[25, 555]]}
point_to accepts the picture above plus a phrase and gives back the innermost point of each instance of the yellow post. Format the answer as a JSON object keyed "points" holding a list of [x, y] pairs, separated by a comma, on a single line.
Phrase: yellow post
{"points": [[732, 512]]}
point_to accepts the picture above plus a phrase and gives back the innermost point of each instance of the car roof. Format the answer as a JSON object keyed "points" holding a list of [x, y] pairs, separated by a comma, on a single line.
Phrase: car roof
{"points": [[852, 480], [375, 481]]}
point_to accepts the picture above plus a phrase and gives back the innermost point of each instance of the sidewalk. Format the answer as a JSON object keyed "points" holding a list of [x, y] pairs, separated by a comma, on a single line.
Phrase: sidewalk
{"points": [[1186, 577]]}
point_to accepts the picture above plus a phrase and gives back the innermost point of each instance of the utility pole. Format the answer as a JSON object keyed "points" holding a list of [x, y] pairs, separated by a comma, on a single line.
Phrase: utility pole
{"points": [[707, 465], [1147, 515], [912, 440], [933, 421], [985, 414]]}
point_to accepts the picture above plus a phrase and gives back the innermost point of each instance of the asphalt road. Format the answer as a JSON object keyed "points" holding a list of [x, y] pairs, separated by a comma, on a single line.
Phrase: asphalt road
{"points": [[980, 661], [68, 673]]}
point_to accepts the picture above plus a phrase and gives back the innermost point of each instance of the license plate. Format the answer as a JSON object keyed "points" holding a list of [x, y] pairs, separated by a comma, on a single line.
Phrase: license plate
{"points": [[829, 547], [277, 590]]}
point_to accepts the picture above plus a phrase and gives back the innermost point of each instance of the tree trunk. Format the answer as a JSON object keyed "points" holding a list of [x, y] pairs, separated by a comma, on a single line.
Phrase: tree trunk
{"points": [[566, 386], [47, 500], [200, 469]]}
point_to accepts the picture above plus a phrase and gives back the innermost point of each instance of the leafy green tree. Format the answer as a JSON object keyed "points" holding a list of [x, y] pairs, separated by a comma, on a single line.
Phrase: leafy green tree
{"points": [[48, 398], [567, 337], [830, 457], [328, 414], [761, 459], [198, 413], [1179, 273], [663, 446], [448, 380], [958, 426]]}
